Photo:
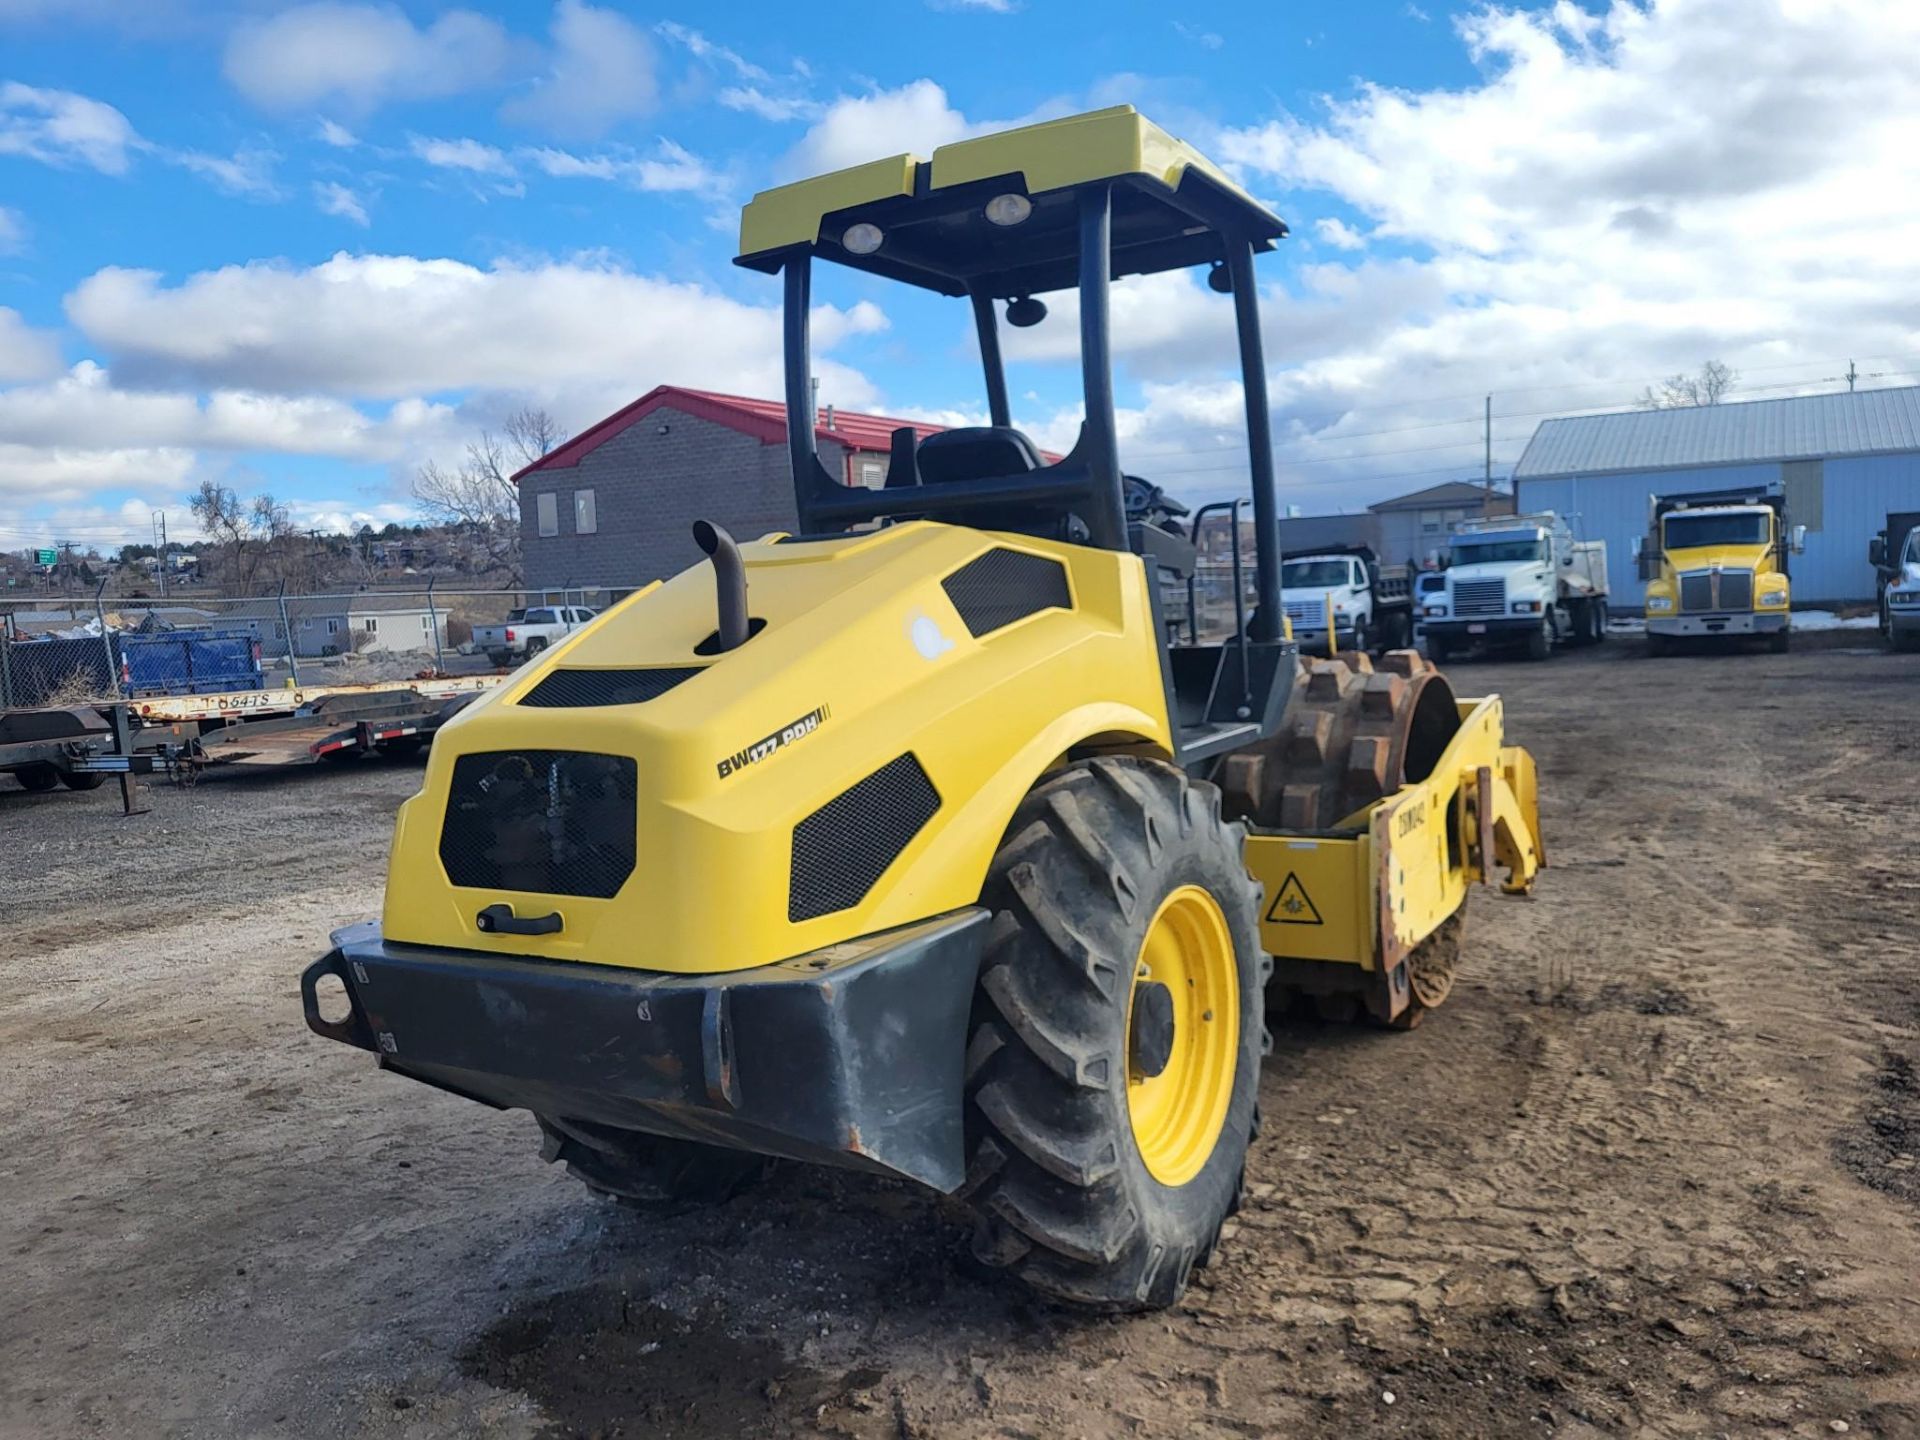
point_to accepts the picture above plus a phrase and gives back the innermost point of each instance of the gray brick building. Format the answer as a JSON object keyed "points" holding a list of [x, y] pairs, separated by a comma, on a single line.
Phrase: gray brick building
{"points": [[614, 507]]}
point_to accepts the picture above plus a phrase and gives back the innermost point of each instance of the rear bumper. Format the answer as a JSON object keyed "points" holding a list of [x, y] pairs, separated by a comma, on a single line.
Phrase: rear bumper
{"points": [[852, 1055], [1745, 623]]}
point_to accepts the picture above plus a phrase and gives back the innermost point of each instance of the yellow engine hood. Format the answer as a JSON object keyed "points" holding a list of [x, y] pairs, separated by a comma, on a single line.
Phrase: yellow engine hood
{"points": [[1725, 557], [865, 657]]}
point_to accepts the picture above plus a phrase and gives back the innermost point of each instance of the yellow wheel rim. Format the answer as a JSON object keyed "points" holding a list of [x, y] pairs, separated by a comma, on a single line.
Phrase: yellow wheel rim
{"points": [[1177, 1114]]}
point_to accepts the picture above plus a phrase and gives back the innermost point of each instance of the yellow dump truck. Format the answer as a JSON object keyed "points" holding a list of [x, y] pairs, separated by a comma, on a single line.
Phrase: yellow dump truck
{"points": [[1716, 565]]}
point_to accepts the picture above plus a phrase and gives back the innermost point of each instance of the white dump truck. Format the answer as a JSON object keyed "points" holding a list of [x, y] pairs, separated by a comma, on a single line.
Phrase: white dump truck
{"points": [[1519, 582], [1369, 604]]}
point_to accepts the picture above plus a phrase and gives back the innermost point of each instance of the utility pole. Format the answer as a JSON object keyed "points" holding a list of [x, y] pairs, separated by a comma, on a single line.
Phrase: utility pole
{"points": [[160, 524], [1486, 498], [1851, 375]]}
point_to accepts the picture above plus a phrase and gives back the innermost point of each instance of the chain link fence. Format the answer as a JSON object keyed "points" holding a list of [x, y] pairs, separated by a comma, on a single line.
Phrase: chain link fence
{"points": [[92, 650]]}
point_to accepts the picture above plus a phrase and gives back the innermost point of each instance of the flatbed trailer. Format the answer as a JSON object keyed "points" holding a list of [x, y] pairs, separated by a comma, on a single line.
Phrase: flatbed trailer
{"points": [[180, 735], [250, 705], [394, 719]]}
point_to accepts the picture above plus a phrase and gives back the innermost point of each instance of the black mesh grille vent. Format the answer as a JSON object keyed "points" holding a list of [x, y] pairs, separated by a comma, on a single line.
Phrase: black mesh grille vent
{"points": [[570, 689], [556, 822], [1003, 586], [848, 843]]}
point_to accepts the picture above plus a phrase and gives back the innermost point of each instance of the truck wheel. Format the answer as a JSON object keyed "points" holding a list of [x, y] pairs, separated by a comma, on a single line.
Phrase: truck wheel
{"points": [[1659, 646], [536, 645], [1438, 651], [1599, 609], [82, 780], [38, 776], [1579, 626], [648, 1172], [1540, 641], [1113, 1064], [1362, 641], [498, 659], [1778, 642]]}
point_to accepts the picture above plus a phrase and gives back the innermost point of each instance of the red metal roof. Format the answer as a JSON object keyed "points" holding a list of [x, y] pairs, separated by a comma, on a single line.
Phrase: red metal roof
{"points": [[766, 420]]}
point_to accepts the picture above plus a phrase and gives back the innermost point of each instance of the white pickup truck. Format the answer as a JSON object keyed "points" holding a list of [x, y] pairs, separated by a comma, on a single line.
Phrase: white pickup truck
{"points": [[526, 632]]}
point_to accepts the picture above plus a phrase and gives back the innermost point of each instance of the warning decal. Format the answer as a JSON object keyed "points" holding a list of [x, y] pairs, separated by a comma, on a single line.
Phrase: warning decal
{"points": [[1292, 906]]}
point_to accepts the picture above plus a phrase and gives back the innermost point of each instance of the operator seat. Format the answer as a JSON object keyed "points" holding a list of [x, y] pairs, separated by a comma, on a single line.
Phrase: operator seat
{"points": [[987, 452], [976, 452]]}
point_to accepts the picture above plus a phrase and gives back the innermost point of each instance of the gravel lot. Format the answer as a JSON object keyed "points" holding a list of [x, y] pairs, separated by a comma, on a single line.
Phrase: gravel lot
{"points": [[1653, 1171]]}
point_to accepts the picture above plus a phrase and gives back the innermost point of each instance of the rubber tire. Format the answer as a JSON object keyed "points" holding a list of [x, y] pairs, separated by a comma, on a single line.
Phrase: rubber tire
{"points": [[535, 646], [403, 747], [1362, 640], [1779, 642], [1599, 609], [1437, 650], [499, 659], [82, 780], [653, 1173], [38, 777], [1060, 1193], [1540, 642], [1659, 646]]}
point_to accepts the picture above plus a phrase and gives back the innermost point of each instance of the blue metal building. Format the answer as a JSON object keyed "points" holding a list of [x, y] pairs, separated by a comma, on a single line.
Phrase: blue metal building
{"points": [[1846, 460]]}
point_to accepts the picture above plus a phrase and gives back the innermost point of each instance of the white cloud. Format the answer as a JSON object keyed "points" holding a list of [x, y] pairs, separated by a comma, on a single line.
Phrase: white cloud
{"points": [[336, 135], [13, 232], [992, 7], [1339, 234], [371, 326], [25, 353], [247, 172], [39, 475], [778, 108], [360, 56], [85, 404], [917, 117], [463, 154], [334, 198], [1206, 39], [330, 518], [600, 72], [670, 168], [58, 127], [702, 48]]}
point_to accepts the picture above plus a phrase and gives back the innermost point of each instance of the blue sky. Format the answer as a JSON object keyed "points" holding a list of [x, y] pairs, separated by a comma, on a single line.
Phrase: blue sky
{"points": [[303, 248]]}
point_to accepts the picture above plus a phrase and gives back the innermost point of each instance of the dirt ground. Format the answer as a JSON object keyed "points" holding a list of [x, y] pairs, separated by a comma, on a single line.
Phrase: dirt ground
{"points": [[1651, 1172]]}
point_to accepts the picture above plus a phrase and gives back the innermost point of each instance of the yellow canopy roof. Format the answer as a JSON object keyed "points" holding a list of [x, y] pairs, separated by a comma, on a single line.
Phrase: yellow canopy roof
{"points": [[1171, 206]]}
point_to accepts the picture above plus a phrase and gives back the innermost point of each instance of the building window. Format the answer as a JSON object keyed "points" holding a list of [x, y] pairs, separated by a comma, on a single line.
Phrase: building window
{"points": [[333, 627], [547, 508], [426, 624], [871, 472], [372, 625], [585, 521]]}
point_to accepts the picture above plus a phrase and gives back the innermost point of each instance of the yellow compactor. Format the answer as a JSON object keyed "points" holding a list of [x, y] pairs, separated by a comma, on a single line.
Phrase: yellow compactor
{"points": [[907, 841]]}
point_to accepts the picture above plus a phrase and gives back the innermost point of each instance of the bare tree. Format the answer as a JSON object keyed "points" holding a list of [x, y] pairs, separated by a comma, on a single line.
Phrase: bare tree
{"points": [[255, 541], [1679, 392], [229, 528], [479, 495]]}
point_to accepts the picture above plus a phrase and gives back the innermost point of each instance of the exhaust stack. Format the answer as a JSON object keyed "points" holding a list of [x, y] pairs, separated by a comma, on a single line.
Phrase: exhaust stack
{"points": [[730, 582]]}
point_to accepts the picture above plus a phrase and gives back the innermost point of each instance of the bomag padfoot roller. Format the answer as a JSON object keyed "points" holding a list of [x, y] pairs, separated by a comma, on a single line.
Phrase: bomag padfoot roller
{"points": [[908, 842]]}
